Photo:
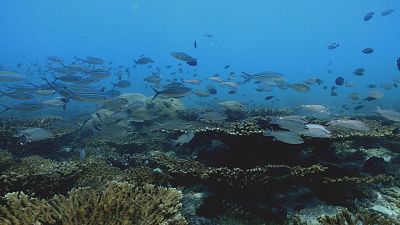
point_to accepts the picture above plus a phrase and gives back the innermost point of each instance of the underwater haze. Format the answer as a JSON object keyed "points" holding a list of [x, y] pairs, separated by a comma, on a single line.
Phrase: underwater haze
{"points": [[228, 112]]}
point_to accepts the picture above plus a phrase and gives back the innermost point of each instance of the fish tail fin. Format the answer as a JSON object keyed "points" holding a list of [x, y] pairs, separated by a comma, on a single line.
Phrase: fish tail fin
{"points": [[157, 93], [6, 108], [114, 85], [173, 143], [247, 77]]}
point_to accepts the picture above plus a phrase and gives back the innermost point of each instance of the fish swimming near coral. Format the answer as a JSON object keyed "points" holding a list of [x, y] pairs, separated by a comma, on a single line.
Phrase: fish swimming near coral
{"points": [[350, 124], [389, 114], [183, 139], [284, 136], [34, 134]]}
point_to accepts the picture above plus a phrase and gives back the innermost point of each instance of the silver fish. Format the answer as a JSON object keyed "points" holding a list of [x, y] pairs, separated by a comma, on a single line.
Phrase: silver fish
{"points": [[285, 137], [183, 139], [389, 114], [34, 134], [11, 76], [350, 124]]}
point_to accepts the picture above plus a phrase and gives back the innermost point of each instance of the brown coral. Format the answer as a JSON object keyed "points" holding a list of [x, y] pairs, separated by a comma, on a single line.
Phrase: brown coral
{"points": [[362, 217], [117, 203], [40, 176]]}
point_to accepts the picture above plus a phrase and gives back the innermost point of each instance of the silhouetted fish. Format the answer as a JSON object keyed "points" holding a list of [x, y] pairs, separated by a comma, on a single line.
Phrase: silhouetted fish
{"points": [[195, 44], [369, 16], [398, 63], [387, 12], [339, 81], [367, 50]]}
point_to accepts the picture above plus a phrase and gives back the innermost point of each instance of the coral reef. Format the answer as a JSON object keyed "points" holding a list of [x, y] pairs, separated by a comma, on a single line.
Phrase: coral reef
{"points": [[117, 203], [40, 176], [362, 217]]}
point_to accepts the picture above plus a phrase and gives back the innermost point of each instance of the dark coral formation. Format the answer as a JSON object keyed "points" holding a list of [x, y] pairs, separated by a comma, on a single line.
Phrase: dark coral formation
{"points": [[117, 203]]}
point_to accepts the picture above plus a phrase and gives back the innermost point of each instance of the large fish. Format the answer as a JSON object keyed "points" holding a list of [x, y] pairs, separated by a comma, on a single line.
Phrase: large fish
{"points": [[389, 114], [34, 134], [285, 137]]}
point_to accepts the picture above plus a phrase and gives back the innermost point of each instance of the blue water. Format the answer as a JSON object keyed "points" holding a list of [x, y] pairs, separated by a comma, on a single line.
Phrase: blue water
{"points": [[289, 37]]}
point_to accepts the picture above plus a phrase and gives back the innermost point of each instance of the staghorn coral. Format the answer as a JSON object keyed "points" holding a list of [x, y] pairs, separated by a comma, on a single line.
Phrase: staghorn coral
{"points": [[117, 203], [40, 176], [361, 217]]}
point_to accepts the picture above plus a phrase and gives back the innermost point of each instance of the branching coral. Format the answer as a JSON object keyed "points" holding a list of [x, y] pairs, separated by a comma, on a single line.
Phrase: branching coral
{"points": [[117, 203]]}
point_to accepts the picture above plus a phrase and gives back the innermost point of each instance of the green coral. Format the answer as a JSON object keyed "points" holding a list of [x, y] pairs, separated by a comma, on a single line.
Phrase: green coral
{"points": [[117, 203]]}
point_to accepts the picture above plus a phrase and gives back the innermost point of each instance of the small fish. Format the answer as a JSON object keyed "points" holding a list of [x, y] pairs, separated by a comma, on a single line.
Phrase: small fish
{"points": [[332, 46], [339, 81], [316, 131], [359, 71], [300, 87], [369, 16], [374, 95], [269, 97], [208, 35], [387, 12], [172, 91], [93, 60], [195, 44], [17, 95], [57, 102], [371, 86], [183, 139], [398, 63], [143, 61], [318, 109], [99, 73], [122, 84], [155, 78], [232, 105], [226, 66], [367, 51], [24, 107]]}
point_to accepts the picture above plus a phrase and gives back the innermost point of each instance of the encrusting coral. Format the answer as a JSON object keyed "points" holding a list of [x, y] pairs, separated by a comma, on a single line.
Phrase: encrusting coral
{"points": [[40, 176], [117, 203]]}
